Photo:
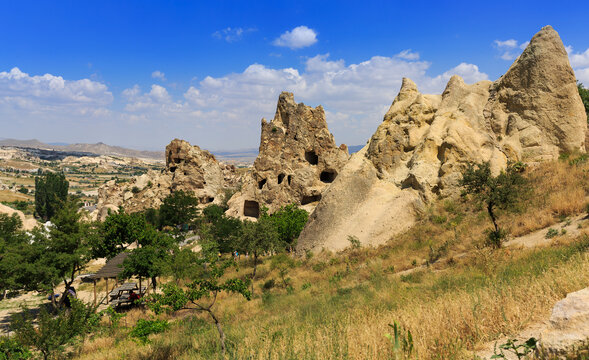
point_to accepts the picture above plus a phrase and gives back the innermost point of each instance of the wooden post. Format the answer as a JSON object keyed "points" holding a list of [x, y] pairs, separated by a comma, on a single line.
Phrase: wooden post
{"points": [[107, 291], [94, 292], [140, 293]]}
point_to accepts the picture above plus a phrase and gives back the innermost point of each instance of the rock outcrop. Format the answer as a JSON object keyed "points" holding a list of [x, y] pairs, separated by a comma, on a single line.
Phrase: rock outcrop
{"points": [[188, 168], [297, 160], [532, 113], [568, 328]]}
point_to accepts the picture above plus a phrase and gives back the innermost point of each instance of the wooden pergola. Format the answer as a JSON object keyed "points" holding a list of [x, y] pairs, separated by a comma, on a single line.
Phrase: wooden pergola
{"points": [[110, 270]]}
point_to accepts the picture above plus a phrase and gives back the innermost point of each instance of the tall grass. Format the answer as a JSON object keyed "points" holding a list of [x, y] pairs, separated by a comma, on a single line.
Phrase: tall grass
{"points": [[343, 303]]}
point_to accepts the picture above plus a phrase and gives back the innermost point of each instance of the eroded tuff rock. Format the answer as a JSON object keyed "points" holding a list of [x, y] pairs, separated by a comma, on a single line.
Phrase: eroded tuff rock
{"points": [[297, 160], [532, 113], [188, 168], [568, 328]]}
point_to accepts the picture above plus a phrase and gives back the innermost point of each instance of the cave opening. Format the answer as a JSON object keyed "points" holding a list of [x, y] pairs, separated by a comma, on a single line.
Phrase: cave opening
{"points": [[327, 176], [307, 199], [251, 208], [312, 157], [281, 178], [261, 183]]}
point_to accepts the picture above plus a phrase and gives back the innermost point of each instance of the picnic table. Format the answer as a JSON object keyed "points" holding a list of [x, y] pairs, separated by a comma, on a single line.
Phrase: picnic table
{"points": [[120, 296]]}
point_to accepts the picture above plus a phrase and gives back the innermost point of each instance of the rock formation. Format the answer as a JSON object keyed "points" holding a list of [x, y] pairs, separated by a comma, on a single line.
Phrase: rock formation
{"points": [[188, 168], [568, 328], [297, 160], [532, 113]]}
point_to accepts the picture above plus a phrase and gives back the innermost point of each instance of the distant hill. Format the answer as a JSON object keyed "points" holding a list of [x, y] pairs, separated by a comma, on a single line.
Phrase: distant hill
{"points": [[98, 148]]}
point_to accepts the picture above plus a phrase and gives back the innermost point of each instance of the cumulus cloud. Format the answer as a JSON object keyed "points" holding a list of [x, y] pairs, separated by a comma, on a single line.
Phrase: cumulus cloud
{"points": [[297, 38], [580, 63], [408, 55], [509, 49], [355, 96], [158, 75], [224, 111], [52, 93], [230, 34]]}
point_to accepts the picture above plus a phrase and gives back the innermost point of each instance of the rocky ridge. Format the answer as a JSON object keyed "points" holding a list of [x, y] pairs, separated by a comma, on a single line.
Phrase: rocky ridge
{"points": [[188, 168], [532, 113], [298, 158]]}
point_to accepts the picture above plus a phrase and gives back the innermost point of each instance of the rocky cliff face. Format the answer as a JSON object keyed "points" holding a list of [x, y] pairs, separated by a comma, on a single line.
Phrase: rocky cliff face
{"points": [[532, 113], [188, 168], [298, 158]]}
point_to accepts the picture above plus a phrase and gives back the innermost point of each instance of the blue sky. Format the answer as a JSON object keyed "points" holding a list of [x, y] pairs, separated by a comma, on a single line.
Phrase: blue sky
{"points": [[139, 73]]}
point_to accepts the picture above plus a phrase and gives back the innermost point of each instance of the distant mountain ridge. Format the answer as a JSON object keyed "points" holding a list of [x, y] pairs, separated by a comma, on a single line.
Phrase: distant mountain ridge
{"points": [[98, 148]]}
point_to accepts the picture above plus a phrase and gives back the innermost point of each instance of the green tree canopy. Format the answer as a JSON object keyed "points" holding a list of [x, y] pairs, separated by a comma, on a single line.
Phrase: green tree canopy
{"points": [[289, 221], [179, 208], [495, 192], [151, 258], [118, 231], [584, 93], [50, 192]]}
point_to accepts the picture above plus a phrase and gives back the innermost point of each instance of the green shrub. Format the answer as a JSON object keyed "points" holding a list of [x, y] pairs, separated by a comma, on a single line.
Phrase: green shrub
{"points": [[354, 242], [10, 349], [551, 233], [269, 284], [144, 328], [135, 190]]}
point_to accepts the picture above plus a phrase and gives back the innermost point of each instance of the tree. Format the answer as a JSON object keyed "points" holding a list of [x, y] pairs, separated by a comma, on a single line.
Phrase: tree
{"points": [[150, 259], [67, 247], [50, 334], [179, 208], [116, 233], [289, 221], [495, 192], [202, 293], [223, 229], [22, 258], [584, 93], [258, 237], [50, 192]]}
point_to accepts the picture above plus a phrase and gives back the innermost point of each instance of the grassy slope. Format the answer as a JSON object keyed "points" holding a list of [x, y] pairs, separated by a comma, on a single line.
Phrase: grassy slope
{"points": [[342, 304]]}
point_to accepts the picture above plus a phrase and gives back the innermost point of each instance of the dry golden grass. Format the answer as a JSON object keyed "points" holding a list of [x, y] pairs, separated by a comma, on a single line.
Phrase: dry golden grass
{"points": [[7, 195], [342, 304]]}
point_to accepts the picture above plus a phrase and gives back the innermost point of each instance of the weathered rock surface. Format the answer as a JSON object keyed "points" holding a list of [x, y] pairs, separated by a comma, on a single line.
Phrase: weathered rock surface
{"points": [[297, 160], [569, 324], [532, 113], [188, 168]]}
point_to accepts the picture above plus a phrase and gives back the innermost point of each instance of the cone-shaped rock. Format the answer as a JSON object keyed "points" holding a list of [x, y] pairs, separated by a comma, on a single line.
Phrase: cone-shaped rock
{"points": [[418, 153]]}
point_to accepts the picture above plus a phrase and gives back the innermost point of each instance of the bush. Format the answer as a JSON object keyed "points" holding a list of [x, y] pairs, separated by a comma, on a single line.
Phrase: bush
{"points": [[269, 284], [551, 233], [11, 349], [135, 190], [354, 242], [144, 328], [51, 334]]}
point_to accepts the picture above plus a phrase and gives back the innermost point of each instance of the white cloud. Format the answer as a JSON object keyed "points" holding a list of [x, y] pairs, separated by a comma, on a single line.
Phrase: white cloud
{"points": [[408, 55], [579, 60], [230, 34], [580, 63], [224, 111], [49, 93], [506, 44], [297, 38], [229, 107], [158, 75], [510, 49]]}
